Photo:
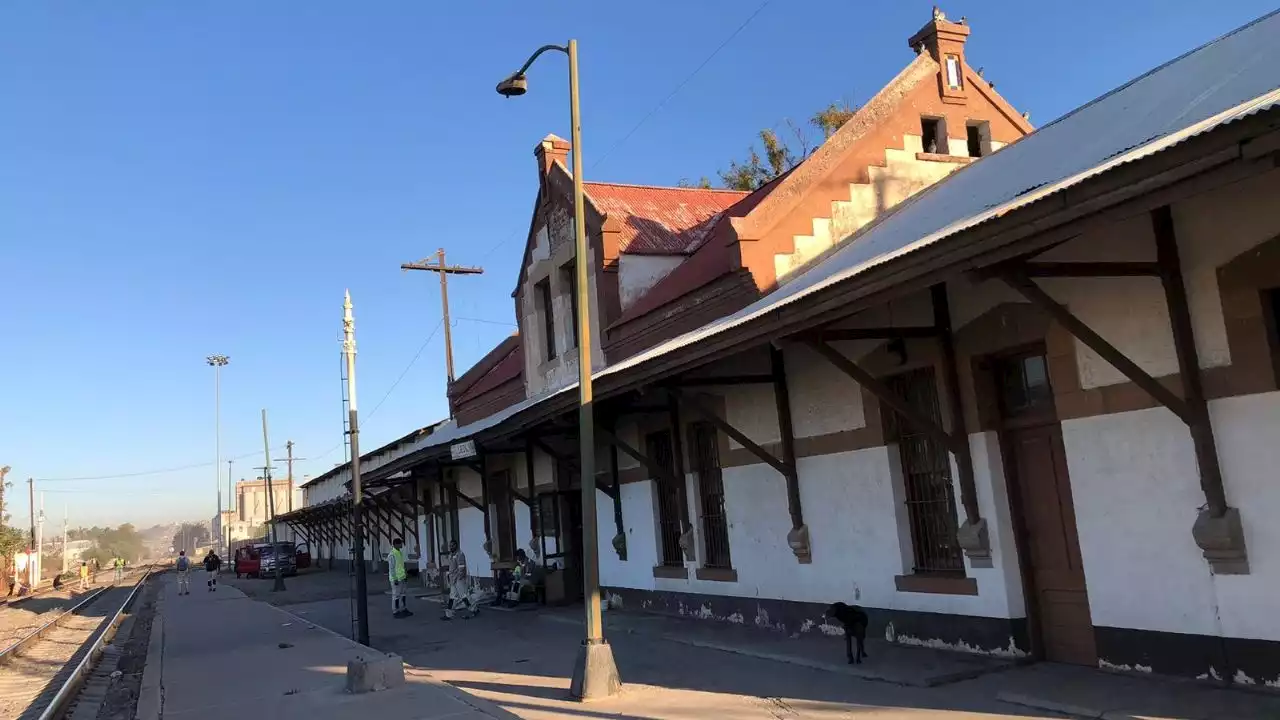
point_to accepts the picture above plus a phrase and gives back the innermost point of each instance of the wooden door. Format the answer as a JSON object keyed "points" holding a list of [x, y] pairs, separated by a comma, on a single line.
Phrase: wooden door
{"points": [[1057, 599]]}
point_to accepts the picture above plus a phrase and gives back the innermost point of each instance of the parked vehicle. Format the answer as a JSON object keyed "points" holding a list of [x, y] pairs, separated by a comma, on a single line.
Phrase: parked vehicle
{"points": [[259, 560], [287, 556], [247, 562], [302, 557]]}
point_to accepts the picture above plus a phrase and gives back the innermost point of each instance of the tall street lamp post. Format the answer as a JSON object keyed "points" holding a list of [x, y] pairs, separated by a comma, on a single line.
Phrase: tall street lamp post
{"points": [[218, 362], [595, 675]]}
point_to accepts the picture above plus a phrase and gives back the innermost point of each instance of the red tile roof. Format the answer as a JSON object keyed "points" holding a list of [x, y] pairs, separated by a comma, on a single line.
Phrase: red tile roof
{"points": [[710, 261], [661, 220], [506, 363]]}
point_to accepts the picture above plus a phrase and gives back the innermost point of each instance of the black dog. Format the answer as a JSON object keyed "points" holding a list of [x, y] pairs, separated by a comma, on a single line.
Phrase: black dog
{"points": [[854, 620]]}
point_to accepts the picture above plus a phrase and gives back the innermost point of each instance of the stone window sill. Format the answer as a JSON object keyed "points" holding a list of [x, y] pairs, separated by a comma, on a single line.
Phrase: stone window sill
{"points": [[671, 572], [936, 584], [716, 574], [942, 157]]}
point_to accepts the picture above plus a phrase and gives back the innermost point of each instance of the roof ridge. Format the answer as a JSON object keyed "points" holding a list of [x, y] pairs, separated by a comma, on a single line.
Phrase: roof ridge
{"points": [[665, 187]]}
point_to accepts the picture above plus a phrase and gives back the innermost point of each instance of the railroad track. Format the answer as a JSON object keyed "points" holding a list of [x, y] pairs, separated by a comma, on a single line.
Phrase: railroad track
{"points": [[42, 671]]}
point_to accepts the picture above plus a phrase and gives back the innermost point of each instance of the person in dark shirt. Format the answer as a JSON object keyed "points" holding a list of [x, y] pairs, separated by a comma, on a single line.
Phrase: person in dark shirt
{"points": [[211, 564]]}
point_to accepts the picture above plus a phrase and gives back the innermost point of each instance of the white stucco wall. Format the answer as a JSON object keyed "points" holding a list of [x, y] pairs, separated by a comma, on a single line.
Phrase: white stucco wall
{"points": [[1136, 490], [638, 273], [638, 515]]}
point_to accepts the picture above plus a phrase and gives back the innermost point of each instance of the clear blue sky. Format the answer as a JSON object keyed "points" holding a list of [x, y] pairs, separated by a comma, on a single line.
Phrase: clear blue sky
{"points": [[179, 179]]}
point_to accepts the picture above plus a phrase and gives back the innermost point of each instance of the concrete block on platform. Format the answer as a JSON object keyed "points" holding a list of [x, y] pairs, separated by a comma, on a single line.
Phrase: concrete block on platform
{"points": [[375, 672]]}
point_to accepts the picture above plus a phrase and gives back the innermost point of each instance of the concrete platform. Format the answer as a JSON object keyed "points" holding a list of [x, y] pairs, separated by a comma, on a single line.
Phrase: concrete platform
{"points": [[279, 665], [918, 667], [522, 662]]}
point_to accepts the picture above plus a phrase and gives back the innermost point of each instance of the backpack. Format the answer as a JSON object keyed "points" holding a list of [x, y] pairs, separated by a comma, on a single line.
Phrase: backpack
{"points": [[184, 562]]}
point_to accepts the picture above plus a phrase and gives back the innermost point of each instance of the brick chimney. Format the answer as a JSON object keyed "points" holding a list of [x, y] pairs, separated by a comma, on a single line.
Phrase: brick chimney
{"points": [[549, 150], [944, 41]]}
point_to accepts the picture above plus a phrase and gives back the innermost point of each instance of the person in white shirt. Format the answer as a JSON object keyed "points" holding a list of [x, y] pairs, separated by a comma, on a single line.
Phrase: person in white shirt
{"points": [[459, 583]]}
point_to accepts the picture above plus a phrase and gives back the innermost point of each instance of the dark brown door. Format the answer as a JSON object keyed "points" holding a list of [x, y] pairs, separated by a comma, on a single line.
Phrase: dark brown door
{"points": [[1058, 602]]}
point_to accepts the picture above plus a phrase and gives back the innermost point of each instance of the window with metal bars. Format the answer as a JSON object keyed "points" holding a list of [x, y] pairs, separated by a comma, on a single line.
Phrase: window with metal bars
{"points": [[715, 523], [926, 477], [658, 448]]}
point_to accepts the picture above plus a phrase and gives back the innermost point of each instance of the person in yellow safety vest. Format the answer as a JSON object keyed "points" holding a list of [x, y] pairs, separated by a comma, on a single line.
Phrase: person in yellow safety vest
{"points": [[118, 564], [84, 575], [397, 573]]}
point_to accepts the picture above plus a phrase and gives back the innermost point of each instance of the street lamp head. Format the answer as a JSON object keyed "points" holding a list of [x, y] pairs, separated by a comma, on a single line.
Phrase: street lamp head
{"points": [[217, 360], [514, 86]]}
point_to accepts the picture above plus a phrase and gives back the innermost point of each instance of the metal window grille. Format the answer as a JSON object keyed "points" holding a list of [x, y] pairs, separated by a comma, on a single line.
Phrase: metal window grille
{"points": [[658, 447], [926, 474], [715, 523]]}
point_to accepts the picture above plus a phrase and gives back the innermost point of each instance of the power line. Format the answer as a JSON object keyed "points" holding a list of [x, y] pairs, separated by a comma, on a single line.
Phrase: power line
{"points": [[680, 87], [142, 473], [487, 322]]}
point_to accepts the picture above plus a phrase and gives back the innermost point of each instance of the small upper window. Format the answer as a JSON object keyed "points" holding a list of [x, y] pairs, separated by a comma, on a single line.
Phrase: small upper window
{"points": [[979, 138], [569, 280], [933, 135], [543, 295], [954, 80]]}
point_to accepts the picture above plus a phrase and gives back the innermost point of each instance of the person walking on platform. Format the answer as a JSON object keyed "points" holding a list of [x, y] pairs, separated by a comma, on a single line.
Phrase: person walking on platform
{"points": [[84, 576], [183, 566], [459, 583], [397, 574], [211, 564]]}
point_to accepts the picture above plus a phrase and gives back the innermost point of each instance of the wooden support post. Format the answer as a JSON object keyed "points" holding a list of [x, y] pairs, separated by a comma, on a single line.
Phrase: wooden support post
{"points": [[682, 484], [798, 537], [620, 536], [972, 534], [484, 501], [534, 508], [1217, 530]]}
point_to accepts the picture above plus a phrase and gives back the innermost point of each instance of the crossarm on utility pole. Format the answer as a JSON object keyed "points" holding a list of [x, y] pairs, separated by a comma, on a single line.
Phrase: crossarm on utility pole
{"points": [[444, 271]]}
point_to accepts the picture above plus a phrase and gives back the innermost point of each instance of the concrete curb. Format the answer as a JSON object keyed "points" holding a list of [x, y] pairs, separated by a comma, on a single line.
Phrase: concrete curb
{"points": [[151, 693], [420, 675], [1042, 704]]}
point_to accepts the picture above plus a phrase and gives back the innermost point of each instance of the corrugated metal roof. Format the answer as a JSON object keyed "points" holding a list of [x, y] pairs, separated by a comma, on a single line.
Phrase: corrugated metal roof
{"points": [[661, 220], [1225, 80]]}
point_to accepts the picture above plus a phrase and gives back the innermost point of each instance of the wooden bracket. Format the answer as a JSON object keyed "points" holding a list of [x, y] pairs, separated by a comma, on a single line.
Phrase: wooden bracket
{"points": [[694, 403], [1019, 281], [655, 470], [885, 395]]}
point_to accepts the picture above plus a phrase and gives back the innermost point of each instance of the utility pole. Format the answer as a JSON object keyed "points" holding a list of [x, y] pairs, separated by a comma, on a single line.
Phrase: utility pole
{"points": [[289, 459], [31, 544], [229, 509], [40, 542], [444, 270], [64, 539], [357, 493], [217, 362], [271, 507]]}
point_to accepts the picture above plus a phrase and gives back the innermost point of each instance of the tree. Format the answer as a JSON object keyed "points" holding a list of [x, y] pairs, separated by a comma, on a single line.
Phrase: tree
{"points": [[778, 158], [191, 536], [703, 183]]}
